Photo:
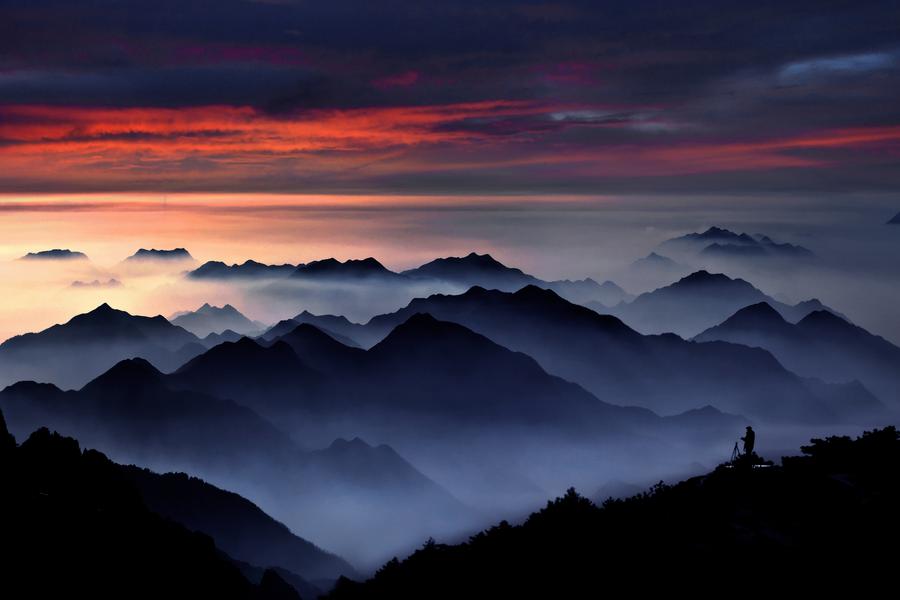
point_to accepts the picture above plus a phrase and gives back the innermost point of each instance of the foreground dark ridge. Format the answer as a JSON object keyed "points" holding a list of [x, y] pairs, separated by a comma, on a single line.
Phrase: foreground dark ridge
{"points": [[824, 520], [73, 526]]}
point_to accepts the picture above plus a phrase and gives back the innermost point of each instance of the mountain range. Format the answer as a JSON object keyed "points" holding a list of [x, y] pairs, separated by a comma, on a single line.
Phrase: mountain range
{"points": [[712, 527], [72, 353], [462, 272], [821, 345], [175, 254], [249, 269], [74, 525], [717, 242], [55, 254], [209, 319], [699, 301], [612, 360], [136, 414]]}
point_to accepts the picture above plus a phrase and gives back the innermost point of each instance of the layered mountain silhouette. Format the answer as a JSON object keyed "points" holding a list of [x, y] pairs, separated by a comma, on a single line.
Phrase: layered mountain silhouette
{"points": [[895, 220], [757, 529], [72, 353], [137, 414], [247, 270], [699, 301], [338, 327], [214, 339], [485, 271], [237, 525], [618, 364], [97, 283], [717, 242], [649, 273], [215, 319], [321, 350], [130, 413], [270, 379], [821, 345], [424, 369], [74, 525], [175, 254], [55, 254], [466, 271], [330, 269]]}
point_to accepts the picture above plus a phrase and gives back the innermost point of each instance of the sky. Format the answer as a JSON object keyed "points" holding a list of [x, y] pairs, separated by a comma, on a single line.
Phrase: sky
{"points": [[566, 138], [449, 97]]}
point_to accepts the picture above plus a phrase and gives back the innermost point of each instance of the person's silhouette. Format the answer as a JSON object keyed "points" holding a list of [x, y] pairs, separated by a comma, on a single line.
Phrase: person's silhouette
{"points": [[749, 440]]}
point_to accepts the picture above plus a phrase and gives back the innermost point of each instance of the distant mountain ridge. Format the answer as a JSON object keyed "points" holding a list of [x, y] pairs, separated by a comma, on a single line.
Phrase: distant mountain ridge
{"points": [[153, 254], [612, 360], [210, 319], [699, 301], [72, 353], [821, 345], [466, 271], [249, 269], [55, 254], [720, 242]]}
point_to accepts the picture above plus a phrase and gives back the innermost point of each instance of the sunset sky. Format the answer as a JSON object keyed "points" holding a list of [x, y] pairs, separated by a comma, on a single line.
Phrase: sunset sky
{"points": [[566, 138], [449, 97]]}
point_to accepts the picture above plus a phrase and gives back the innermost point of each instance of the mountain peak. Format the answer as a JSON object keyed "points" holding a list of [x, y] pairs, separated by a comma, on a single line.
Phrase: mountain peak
{"points": [[761, 314], [760, 309], [55, 254], [356, 443], [895, 220], [821, 318], [128, 372], [161, 254], [704, 276], [532, 291]]}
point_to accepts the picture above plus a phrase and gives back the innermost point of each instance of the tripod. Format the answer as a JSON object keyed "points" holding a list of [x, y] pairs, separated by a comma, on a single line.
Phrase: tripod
{"points": [[736, 453]]}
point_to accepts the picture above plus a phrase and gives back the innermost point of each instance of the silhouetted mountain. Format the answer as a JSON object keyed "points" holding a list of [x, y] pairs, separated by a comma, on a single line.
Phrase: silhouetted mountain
{"points": [[175, 254], [648, 273], [587, 291], [474, 269], [895, 220], [320, 350], [238, 526], [338, 327], [269, 379], [74, 526], [213, 319], [485, 271], [821, 345], [248, 270], [655, 260], [424, 368], [697, 302], [721, 243], [330, 268], [96, 283], [616, 363], [438, 368], [136, 414], [71, 354], [214, 339], [55, 254], [757, 528], [130, 413]]}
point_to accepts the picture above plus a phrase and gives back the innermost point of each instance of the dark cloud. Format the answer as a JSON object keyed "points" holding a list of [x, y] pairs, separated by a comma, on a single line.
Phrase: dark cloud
{"points": [[643, 73]]}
